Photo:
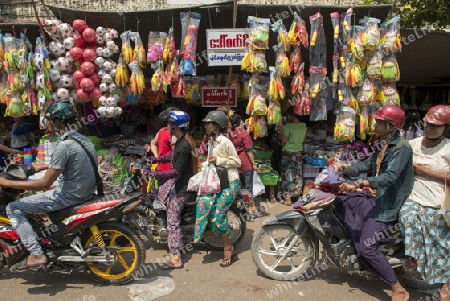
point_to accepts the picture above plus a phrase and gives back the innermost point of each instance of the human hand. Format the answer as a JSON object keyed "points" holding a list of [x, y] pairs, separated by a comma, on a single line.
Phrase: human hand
{"points": [[348, 187], [254, 166], [212, 160], [2, 182], [421, 169], [39, 166]]}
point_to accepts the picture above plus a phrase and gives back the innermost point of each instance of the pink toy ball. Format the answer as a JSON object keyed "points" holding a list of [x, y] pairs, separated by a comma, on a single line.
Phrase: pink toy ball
{"points": [[51, 26], [81, 95], [99, 61], [104, 87], [95, 94], [89, 55], [68, 56], [100, 40], [76, 53], [62, 93], [89, 35], [69, 42], [66, 80], [107, 79], [54, 75], [102, 100], [78, 39], [95, 78], [66, 30], [100, 31], [62, 64], [78, 76], [86, 84], [79, 25], [87, 68]]}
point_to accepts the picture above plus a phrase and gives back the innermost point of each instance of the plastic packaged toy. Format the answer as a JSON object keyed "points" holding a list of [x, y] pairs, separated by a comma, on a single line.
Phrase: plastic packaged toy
{"points": [[373, 68], [156, 46], [356, 43], [169, 48], [366, 93], [371, 36], [344, 129], [190, 23], [390, 72], [295, 59], [335, 23], [297, 33], [389, 95], [391, 41], [298, 81], [281, 61]]}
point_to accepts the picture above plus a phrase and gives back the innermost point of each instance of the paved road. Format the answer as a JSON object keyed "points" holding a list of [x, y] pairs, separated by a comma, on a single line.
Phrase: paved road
{"points": [[203, 279]]}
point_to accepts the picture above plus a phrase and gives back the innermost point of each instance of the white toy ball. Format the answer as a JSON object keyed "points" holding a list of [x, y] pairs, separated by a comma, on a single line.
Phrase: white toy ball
{"points": [[114, 64], [101, 73], [107, 36], [111, 45], [102, 111], [99, 61], [62, 93], [107, 66], [66, 30], [62, 64], [118, 111], [68, 56], [98, 51], [51, 26], [112, 87], [54, 96], [107, 78], [110, 112], [114, 33], [53, 64], [52, 46], [110, 101], [100, 31], [57, 37], [113, 73], [102, 100], [106, 52], [116, 49], [40, 80], [38, 61], [54, 75], [69, 43], [60, 49], [103, 87], [100, 40], [66, 80]]}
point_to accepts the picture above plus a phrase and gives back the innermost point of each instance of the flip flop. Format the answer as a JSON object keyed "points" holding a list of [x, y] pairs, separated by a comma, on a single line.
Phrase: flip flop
{"points": [[228, 261], [165, 266], [23, 266]]}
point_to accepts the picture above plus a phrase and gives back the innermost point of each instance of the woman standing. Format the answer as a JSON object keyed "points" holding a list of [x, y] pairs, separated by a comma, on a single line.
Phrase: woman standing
{"points": [[292, 138], [427, 236], [212, 209], [244, 147]]}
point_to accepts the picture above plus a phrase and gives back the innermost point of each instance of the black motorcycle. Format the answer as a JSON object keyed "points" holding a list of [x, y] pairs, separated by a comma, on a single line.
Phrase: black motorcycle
{"points": [[151, 220], [288, 244]]}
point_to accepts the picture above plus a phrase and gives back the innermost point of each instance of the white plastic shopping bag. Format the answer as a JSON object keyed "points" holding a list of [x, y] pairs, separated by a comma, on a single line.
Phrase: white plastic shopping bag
{"points": [[210, 181], [258, 186]]}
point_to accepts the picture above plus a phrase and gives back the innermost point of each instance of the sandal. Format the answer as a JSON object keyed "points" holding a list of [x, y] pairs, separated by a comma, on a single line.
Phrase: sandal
{"points": [[226, 262], [23, 266]]}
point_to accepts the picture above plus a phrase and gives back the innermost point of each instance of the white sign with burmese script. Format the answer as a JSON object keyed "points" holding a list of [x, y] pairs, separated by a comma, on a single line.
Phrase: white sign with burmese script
{"points": [[226, 46]]}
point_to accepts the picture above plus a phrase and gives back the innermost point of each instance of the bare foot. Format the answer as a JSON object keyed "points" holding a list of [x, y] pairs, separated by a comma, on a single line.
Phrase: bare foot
{"points": [[399, 293], [37, 259]]}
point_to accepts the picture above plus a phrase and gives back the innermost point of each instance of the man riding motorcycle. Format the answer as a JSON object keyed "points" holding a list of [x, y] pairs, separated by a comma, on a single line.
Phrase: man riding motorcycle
{"points": [[69, 165], [371, 213]]}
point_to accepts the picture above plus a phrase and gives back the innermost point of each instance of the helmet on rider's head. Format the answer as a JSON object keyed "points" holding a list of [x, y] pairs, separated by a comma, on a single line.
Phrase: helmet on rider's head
{"points": [[392, 114], [179, 118], [439, 115], [164, 115], [62, 110], [218, 117]]}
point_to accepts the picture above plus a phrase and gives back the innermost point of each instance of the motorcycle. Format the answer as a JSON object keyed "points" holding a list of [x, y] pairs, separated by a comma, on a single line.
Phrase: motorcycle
{"points": [[81, 237], [150, 218], [287, 245]]}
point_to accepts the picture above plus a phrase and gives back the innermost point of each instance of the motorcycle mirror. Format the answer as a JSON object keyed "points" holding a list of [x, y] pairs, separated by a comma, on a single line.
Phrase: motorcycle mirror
{"points": [[351, 172]]}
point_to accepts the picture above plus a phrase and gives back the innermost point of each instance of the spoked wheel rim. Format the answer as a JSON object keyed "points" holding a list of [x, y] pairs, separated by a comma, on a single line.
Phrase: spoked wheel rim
{"points": [[272, 246], [126, 258]]}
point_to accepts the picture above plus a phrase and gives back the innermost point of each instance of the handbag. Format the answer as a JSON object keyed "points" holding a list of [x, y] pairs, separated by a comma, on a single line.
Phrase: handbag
{"points": [[223, 177], [445, 206], [98, 179]]}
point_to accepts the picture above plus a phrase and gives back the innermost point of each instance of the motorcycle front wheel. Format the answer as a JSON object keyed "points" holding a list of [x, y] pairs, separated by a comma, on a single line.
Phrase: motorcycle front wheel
{"points": [[270, 244], [237, 226], [130, 256]]}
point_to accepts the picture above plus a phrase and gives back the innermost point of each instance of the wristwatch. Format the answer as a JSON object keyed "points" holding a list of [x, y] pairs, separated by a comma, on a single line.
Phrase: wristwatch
{"points": [[360, 182]]}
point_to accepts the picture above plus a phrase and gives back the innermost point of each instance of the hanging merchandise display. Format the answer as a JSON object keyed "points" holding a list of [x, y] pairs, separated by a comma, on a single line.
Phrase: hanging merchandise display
{"points": [[391, 41], [190, 23], [254, 60], [344, 129], [281, 61]]}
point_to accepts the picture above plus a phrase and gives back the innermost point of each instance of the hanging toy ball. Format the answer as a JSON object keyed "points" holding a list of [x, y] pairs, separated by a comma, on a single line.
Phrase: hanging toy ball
{"points": [[113, 33], [66, 80], [99, 61], [98, 51], [66, 30], [78, 76], [103, 87], [95, 94], [101, 73], [87, 68], [102, 100], [100, 31], [107, 78], [112, 87], [86, 84], [89, 54], [81, 95], [79, 25], [106, 52], [62, 94], [95, 78], [79, 41], [107, 37], [118, 111], [68, 56], [54, 75], [40, 80], [107, 66], [110, 45], [102, 111], [100, 40], [69, 42], [51, 26], [113, 73], [76, 53], [62, 64], [89, 35]]}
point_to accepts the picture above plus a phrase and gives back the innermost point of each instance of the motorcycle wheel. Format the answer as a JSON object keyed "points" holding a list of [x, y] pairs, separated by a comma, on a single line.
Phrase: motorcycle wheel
{"points": [[270, 243], [129, 259], [237, 226], [414, 280]]}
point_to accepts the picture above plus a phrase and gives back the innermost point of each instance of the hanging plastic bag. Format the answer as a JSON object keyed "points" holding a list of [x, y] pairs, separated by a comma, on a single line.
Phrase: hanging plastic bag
{"points": [[210, 181], [258, 186]]}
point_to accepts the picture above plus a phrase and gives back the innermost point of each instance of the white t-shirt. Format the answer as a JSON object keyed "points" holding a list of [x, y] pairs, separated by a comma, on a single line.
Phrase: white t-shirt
{"points": [[427, 192]]}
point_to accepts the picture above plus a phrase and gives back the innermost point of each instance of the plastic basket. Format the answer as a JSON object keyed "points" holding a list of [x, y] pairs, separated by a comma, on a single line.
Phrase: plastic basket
{"points": [[262, 155], [269, 180]]}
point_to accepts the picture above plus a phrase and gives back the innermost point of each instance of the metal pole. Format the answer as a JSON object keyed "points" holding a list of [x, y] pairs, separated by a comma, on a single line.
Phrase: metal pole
{"points": [[230, 72]]}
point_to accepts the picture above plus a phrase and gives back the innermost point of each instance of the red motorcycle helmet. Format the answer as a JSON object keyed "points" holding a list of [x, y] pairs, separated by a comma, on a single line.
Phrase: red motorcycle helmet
{"points": [[391, 114], [439, 115]]}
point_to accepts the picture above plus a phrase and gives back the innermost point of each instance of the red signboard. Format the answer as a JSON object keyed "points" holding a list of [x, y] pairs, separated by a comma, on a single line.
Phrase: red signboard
{"points": [[217, 97]]}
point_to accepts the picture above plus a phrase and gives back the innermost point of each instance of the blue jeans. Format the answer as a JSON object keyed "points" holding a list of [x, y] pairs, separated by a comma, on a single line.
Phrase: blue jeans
{"points": [[38, 203]]}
